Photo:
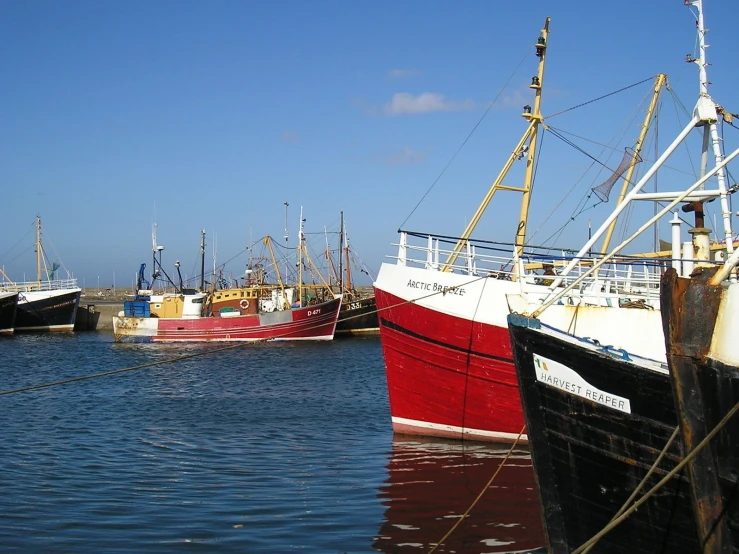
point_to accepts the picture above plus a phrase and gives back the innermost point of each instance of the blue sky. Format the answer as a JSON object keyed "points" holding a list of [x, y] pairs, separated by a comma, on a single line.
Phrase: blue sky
{"points": [[210, 115]]}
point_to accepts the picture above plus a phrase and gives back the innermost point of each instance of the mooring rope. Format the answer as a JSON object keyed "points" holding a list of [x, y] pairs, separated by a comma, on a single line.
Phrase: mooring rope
{"points": [[479, 496], [639, 486], [617, 520], [241, 344]]}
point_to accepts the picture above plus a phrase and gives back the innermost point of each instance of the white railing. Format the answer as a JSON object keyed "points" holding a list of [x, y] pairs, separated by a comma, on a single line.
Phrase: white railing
{"points": [[622, 280], [29, 286]]}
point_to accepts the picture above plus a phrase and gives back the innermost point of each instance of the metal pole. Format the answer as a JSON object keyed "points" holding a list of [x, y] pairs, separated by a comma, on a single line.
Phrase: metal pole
{"points": [[286, 236]]}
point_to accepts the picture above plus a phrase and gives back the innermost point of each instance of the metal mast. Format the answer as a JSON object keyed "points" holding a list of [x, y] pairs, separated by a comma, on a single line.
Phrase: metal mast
{"points": [[301, 240], [202, 260], [38, 248], [527, 145], [707, 111], [286, 236], [659, 82], [341, 253]]}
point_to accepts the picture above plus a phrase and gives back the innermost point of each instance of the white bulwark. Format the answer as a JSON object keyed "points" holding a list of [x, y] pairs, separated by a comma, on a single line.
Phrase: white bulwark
{"points": [[562, 377]]}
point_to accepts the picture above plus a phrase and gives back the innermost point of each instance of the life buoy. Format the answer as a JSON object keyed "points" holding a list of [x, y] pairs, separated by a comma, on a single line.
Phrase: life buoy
{"points": [[244, 304]]}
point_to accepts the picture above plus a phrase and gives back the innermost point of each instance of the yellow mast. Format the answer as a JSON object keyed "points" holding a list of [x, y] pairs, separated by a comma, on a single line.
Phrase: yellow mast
{"points": [[534, 118], [300, 258], [348, 281], [268, 242], [5, 276], [659, 82], [316, 271]]}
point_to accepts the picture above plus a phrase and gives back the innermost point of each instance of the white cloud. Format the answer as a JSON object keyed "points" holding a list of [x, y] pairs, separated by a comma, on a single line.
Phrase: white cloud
{"points": [[290, 136], [402, 73], [518, 99], [407, 156], [403, 103]]}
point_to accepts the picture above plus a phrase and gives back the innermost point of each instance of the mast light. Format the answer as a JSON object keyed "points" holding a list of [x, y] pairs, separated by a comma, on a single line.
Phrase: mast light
{"points": [[541, 44]]}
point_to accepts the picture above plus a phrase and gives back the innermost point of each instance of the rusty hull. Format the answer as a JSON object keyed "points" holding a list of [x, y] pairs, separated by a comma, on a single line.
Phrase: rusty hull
{"points": [[689, 310]]}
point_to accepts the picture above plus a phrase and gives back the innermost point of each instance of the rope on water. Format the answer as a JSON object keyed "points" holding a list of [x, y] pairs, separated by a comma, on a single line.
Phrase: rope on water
{"points": [[214, 351], [479, 496]]}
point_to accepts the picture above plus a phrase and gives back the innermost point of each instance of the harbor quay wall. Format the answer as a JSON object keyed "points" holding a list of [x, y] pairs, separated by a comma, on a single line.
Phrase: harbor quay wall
{"points": [[92, 316], [97, 308]]}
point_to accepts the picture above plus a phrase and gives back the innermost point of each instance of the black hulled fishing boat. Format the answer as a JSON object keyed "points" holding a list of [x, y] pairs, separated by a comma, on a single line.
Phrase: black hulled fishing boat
{"points": [[8, 309], [602, 422], [49, 303], [358, 315], [597, 420]]}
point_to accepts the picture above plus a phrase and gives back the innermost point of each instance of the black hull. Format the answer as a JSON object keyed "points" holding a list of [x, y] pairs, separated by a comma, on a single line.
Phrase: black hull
{"points": [[55, 313], [588, 458], [8, 309], [358, 317], [706, 390]]}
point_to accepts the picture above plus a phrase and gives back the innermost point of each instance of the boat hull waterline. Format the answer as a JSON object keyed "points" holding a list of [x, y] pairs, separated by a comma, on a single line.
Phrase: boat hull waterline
{"points": [[597, 422], [47, 310], [448, 374], [308, 323], [8, 311], [358, 317], [448, 357]]}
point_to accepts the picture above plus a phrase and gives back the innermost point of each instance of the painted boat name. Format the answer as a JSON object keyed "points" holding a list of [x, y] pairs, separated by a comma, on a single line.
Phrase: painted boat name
{"points": [[435, 287], [562, 377]]}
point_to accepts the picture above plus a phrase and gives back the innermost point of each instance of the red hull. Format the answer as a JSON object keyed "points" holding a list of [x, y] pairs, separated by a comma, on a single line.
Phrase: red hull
{"points": [[431, 484], [309, 323], [448, 376]]}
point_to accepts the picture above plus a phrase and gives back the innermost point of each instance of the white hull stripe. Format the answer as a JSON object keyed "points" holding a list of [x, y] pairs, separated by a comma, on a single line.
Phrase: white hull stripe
{"points": [[457, 430], [64, 327]]}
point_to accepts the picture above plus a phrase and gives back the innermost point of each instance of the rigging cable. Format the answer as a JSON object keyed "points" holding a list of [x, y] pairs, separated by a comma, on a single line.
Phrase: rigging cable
{"points": [[30, 247], [560, 134], [222, 349], [600, 98], [490, 107]]}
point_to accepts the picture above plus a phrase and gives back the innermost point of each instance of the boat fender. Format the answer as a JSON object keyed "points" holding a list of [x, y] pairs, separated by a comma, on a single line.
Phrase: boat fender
{"points": [[244, 304]]}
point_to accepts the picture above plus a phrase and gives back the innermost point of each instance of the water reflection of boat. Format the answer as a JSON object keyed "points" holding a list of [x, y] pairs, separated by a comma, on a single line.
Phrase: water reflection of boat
{"points": [[432, 482]]}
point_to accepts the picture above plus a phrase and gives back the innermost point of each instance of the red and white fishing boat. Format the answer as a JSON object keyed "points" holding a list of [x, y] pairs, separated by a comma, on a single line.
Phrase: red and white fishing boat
{"points": [[448, 360], [257, 311], [443, 305], [178, 317]]}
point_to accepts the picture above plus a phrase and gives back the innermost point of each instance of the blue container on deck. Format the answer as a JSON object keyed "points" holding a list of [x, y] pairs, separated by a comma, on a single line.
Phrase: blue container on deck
{"points": [[136, 308]]}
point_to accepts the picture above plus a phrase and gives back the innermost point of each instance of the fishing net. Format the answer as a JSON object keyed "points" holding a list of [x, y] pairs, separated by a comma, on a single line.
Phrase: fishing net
{"points": [[604, 189]]}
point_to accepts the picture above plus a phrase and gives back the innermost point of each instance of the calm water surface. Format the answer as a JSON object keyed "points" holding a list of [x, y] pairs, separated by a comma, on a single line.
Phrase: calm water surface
{"points": [[264, 448]]}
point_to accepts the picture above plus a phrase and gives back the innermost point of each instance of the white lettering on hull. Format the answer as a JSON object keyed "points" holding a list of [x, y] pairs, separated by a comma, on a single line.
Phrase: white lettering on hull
{"points": [[436, 287], [563, 378]]}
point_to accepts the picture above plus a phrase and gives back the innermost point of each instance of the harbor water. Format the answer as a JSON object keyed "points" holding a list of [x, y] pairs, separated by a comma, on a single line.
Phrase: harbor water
{"points": [[275, 447]]}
